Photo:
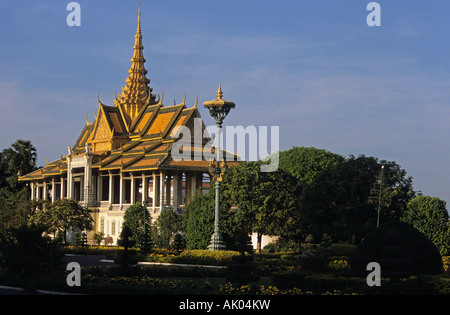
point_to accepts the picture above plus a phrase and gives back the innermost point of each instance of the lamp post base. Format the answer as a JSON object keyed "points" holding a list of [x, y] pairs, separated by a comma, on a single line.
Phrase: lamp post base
{"points": [[217, 242]]}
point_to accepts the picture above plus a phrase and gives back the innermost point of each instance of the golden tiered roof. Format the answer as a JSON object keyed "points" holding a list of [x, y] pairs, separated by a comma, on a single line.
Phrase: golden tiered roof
{"points": [[137, 133], [136, 93]]}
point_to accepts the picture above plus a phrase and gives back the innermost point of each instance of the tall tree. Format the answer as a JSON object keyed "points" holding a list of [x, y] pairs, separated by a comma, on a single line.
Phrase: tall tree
{"points": [[429, 215], [199, 220], [166, 226], [15, 210], [337, 201], [265, 202], [31, 256], [305, 163], [138, 220], [20, 158], [62, 215]]}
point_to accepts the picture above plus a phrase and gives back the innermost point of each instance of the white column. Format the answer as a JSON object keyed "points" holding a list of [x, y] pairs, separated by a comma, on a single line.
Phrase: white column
{"points": [[180, 189], [162, 189], [176, 186], [61, 193], [168, 190], [87, 185], [199, 184], [45, 191], [53, 190], [187, 188], [144, 188], [69, 191], [133, 187], [99, 188], [111, 183], [120, 189], [194, 185], [32, 190], [154, 192]]}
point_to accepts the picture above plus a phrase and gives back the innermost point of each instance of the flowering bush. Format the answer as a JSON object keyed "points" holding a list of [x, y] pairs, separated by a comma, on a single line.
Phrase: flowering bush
{"points": [[446, 263], [206, 257], [339, 264], [248, 289]]}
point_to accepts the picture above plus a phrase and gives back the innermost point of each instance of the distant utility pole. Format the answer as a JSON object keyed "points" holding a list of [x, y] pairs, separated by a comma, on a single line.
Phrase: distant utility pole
{"points": [[379, 195]]}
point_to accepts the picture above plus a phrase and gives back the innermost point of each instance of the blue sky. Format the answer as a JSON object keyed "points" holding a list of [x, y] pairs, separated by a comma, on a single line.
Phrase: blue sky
{"points": [[314, 68]]}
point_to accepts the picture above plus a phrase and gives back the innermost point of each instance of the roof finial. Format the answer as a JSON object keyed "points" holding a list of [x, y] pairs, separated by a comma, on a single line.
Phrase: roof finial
{"points": [[98, 99], [139, 18], [196, 102], [219, 92], [184, 100]]}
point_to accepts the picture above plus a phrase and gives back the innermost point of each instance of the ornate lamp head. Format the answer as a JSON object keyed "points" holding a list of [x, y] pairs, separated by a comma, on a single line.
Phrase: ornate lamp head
{"points": [[219, 108]]}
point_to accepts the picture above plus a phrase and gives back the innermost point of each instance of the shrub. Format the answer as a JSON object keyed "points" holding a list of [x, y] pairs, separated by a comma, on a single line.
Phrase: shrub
{"points": [[179, 242], [338, 264], [312, 259], [199, 222], [126, 257], [206, 257], [309, 239], [446, 263], [341, 249], [288, 279], [134, 220], [401, 251], [242, 270], [30, 256]]}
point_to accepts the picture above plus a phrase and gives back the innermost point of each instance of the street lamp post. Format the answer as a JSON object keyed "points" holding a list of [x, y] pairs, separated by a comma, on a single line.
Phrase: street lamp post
{"points": [[218, 109], [379, 195]]}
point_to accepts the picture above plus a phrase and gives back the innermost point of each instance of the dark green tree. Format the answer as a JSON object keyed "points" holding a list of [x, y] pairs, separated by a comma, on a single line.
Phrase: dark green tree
{"points": [[15, 210], [31, 256], [166, 226], [251, 201], [19, 159], [337, 201], [396, 190], [126, 257], [62, 215], [179, 242], [135, 217], [400, 249], [305, 163], [199, 221], [429, 215], [266, 202]]}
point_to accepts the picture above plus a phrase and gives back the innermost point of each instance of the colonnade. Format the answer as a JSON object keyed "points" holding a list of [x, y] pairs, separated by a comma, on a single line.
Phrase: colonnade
{"points": [[117, 190]]}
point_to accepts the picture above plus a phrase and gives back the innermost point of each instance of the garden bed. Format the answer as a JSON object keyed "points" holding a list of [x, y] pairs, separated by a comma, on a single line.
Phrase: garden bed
{"points": [[272, 273]]}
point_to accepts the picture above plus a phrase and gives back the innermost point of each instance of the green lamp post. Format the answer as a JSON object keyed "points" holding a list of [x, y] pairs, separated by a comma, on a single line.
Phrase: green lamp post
{"points": [[218, 109]]}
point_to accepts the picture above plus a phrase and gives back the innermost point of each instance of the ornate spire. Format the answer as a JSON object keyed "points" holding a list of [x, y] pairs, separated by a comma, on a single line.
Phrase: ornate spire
{"points": [[136, 93], [219, 92]]}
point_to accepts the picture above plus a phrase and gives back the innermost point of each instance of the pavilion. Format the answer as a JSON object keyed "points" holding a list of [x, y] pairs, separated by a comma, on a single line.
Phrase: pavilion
{"points": [[124, 156]]}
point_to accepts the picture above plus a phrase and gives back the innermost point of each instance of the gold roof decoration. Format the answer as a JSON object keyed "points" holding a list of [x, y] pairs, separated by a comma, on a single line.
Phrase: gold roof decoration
{"points": [[136, 93]]}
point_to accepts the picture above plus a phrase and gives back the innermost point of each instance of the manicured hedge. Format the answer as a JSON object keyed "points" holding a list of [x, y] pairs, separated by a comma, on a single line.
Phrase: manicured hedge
{"points": [[205, 257]]}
